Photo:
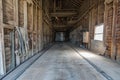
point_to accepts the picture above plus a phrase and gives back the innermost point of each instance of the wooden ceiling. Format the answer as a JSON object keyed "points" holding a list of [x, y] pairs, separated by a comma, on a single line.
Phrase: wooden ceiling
{"points": [[66, 4], [72, 4], [64, 12]]}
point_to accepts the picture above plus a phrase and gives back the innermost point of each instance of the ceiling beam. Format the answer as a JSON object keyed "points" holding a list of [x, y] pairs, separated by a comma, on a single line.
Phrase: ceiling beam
{"points": [[62, 26], [66, 10], [63, 14]]}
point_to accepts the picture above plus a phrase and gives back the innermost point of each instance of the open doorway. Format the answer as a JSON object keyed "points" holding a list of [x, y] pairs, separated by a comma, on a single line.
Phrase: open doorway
{"points": [[60, 37]]}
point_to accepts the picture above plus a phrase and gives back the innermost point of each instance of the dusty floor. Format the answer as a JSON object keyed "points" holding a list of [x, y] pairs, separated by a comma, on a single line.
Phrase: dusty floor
{"points": [[61, 62], [110, 67]]}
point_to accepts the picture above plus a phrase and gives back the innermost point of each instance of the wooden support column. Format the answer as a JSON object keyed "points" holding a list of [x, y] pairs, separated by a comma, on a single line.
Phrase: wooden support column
{"points": [[2, 51], [108, 21], [43, 32], [32, 26], [16, 17], [117, 31], [25, 14], [113, 51], [105, 23], [16, 23], [90, 24], [40, 27], [37, 42], [25, 27]]}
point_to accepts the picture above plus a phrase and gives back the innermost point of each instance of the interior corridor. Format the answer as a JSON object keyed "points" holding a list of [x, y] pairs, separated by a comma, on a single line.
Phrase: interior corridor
{"points": [[59, 39]]}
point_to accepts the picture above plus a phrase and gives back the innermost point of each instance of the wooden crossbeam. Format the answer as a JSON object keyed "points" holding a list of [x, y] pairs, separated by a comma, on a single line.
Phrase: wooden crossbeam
{"points": [[62, 14]]}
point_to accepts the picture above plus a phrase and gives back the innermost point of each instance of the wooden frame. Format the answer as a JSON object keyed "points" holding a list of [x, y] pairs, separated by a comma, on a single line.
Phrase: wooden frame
{"points": [[2, 52]]}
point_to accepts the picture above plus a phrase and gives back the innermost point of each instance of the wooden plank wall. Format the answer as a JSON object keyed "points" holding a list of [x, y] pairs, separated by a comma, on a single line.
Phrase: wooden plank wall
{"points": [[21, 13], [108, 13], [2, 51], [109, 22], [26, 14], [8, 19], [115, 54]]}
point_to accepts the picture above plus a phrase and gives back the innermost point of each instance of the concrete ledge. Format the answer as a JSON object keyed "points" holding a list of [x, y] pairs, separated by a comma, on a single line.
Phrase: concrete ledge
{"points": [[13, 75]]}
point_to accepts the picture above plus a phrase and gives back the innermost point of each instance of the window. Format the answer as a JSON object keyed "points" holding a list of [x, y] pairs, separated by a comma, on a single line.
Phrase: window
{"points": [[99, 29]]}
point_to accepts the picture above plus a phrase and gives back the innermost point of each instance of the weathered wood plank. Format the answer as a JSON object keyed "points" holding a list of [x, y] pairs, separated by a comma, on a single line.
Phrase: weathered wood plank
{"points": [[2, 51]]}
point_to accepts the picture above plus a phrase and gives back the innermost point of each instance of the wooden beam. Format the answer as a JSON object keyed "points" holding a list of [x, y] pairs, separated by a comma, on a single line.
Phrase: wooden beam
{"points": [[32, 25], [25, 27], [25, 15], [62, 14], [36, 3], [60, 26], [37, 11], [16, 16], [86, 12], [66, 10], [114, 43], [2, 51]]}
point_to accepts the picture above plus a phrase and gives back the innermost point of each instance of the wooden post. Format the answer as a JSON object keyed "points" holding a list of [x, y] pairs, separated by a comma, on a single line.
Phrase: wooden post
{"points": [[113, 52], [16, 23], [109, 10], [39, 22], [41, 25], [32, 27], [37, 29], [2, 51], [16, 16], [25, 27], [90, 22], [25, 14], [105, 22]]}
